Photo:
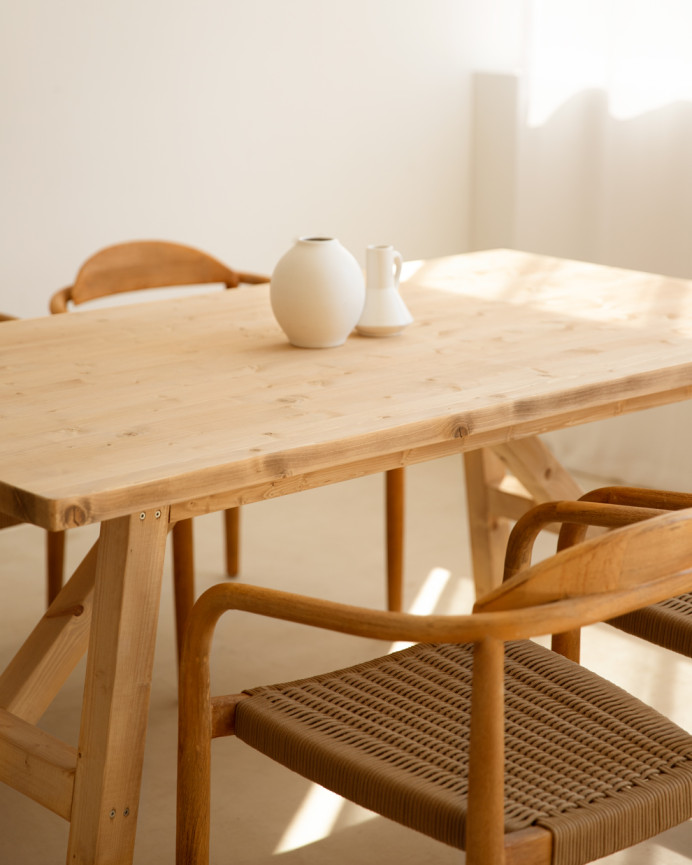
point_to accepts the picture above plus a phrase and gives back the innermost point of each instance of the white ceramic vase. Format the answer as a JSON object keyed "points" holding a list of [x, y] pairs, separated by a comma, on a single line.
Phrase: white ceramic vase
{"points": [[317, 292], [384, 312]]}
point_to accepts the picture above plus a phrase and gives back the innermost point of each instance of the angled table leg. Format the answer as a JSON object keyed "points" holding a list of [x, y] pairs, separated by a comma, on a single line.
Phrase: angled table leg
{"points": [[496, 498], [31, 760], [488, 529], [535, 466], [116, 694], [41, 666]]}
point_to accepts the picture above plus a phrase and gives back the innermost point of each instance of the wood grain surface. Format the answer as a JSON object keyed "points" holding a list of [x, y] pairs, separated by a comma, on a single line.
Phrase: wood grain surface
{"points": [[199, 402]]}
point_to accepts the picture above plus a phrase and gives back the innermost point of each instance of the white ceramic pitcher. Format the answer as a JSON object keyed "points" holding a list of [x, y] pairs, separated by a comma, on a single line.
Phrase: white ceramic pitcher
{"points": [[384, 312]]}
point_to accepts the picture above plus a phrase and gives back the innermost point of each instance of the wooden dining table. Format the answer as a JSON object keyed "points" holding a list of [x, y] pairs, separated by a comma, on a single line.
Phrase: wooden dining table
{"points": [[139, 416]]}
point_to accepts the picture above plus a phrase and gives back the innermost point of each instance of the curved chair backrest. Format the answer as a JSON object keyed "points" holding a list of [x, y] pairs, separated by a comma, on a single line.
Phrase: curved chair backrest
{"points": [[138, 265], [667, 623], [632, 556]]}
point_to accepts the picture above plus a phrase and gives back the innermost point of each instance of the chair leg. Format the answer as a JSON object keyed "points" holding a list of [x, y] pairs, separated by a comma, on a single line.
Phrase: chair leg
{"points": [[232, 521], [395, 538], [55, 563], [194, 739], [485, 816], [183, 577]]}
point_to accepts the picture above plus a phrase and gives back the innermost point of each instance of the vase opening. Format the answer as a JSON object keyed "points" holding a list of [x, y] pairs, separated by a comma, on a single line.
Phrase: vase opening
{"points": [[316, 239]]}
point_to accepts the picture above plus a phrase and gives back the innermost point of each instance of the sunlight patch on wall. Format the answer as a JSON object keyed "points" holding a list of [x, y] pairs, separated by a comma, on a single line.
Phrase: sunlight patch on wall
{"points": [[635, 51]]}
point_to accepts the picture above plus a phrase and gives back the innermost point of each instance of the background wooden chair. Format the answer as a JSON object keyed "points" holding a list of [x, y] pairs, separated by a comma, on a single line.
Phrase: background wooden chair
{"points": [[668, 623], [476, 735]]}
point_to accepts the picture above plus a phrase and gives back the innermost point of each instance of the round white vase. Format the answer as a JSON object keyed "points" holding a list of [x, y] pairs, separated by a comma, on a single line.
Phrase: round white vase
{"points": [[317, 292]]}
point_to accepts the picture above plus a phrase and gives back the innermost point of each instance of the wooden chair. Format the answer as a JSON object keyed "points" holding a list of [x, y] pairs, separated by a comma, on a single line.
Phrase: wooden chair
{"points": [[139, 265], [476, 736], [668, 623]]}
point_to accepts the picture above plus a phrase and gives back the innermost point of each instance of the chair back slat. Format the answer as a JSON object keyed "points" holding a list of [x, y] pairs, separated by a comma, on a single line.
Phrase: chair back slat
{"points": [[647, 552], [147, 264]]}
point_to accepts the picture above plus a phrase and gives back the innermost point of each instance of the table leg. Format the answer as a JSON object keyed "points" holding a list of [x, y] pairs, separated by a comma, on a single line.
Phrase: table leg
{"points": [[116, 694], [543, 476], [55, 563], [41, 666], [488, 529], [495, 500]]}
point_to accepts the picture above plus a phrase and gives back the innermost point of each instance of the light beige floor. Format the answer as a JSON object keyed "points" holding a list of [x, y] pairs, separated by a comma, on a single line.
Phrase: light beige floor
{"points": [[328, 543]]}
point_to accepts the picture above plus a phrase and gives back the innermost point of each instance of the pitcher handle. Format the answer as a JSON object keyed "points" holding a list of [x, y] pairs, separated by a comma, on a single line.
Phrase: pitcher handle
{"points": [[397, 269]]}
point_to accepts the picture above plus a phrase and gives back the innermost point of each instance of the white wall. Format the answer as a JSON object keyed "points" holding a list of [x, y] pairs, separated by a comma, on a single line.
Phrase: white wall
{"points": [[617, 192], [231, 125], [585, 157]]}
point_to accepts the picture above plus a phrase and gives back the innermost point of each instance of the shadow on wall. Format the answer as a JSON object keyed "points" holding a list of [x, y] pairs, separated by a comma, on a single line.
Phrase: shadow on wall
{"points": [[586, 184]]}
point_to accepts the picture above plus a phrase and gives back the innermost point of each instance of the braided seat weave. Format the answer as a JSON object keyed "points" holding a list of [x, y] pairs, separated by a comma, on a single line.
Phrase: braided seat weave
{"points": [[584, 759], [667, 624]]}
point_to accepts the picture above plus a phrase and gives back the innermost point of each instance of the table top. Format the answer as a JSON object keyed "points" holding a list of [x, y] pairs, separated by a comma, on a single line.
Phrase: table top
{"points": [[114, 410]]}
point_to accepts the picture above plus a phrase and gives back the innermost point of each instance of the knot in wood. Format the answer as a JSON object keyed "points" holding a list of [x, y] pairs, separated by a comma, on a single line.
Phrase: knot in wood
{"points": [[76, 516]]}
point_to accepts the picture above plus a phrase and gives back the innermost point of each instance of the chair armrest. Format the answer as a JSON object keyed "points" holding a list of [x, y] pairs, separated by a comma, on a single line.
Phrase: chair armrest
{"points": [[515, 620], [252, 278], [665, 500], [58, 302], [578, 514], [631, 497]]}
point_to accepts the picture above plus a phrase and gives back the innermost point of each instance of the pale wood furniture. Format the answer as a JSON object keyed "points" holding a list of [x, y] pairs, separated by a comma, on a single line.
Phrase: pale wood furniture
{"points": [[141, 265], [136, 266], [668, 623], [5, 521], [181, 407], [420, 737], [55, 541], [502, 482]]}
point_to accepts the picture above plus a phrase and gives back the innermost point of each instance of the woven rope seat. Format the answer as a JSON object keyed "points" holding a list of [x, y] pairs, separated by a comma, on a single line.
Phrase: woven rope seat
{"points": [[392, 735], [668, 624]]}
